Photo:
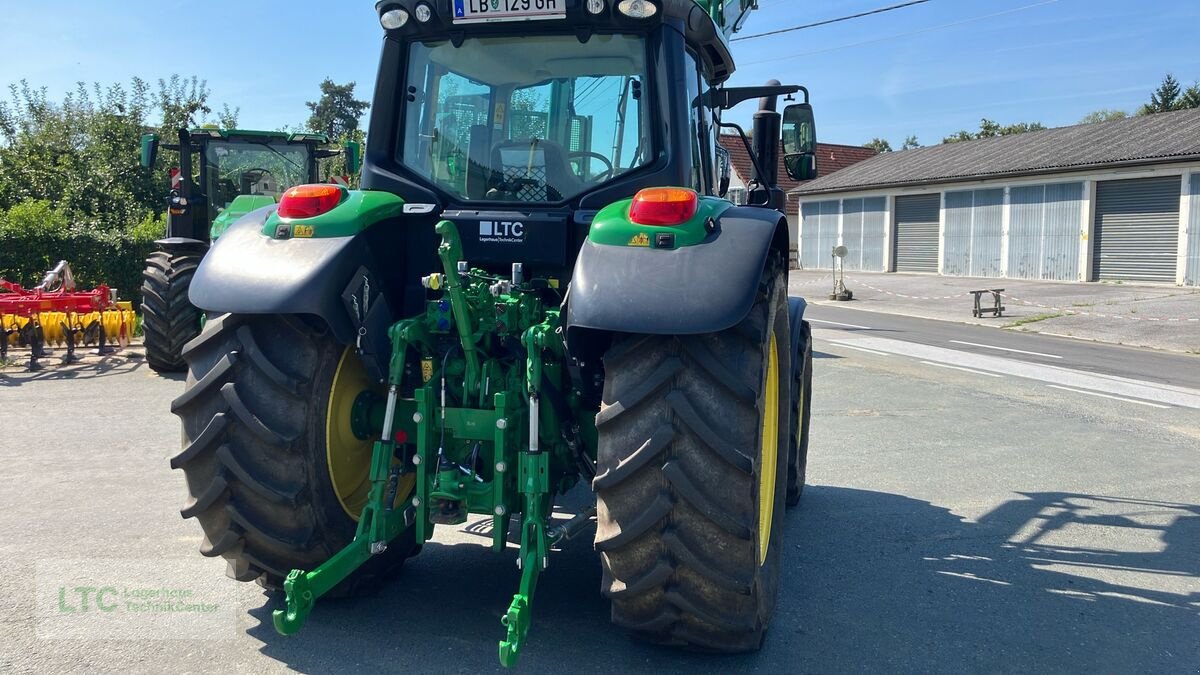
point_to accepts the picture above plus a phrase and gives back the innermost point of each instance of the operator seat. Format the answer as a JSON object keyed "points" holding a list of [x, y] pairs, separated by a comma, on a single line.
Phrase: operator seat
{"points": [[540, 168]]}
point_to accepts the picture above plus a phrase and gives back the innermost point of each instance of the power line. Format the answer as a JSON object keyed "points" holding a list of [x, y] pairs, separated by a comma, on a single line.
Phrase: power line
{"points": [[885, 38], [826, 22]]}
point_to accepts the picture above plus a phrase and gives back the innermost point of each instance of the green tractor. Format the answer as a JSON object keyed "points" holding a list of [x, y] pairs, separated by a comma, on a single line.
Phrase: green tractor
{"points": [[538, 286], [239, 171]]}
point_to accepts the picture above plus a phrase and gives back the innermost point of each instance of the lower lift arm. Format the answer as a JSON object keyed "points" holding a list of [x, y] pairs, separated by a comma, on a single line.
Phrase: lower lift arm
{"points": [[380, 522]]}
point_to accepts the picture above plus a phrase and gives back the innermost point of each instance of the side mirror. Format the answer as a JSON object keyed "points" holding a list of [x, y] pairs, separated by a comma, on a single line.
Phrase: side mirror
{"points": [[353, 157], [725, 171], [800, 141], [149, 150]]}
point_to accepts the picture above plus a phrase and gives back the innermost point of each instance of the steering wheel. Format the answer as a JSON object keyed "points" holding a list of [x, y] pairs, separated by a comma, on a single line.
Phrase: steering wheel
{"points": [[583, 154]]}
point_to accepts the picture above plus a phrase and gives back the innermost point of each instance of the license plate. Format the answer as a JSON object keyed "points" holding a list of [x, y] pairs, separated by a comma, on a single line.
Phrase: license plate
{"points": [[479, 11]]}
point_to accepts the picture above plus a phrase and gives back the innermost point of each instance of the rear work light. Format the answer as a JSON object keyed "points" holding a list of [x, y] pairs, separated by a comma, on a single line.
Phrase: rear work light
{"points": [[307, 201], [638, 9], [664, 206]]}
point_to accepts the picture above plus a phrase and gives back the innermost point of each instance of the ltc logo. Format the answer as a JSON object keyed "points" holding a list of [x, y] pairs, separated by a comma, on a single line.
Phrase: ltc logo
{"points": [[506, 231]]}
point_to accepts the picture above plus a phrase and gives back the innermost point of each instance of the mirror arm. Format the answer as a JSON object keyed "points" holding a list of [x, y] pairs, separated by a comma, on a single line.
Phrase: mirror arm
{"points": [[749, 151], [728, 97]]}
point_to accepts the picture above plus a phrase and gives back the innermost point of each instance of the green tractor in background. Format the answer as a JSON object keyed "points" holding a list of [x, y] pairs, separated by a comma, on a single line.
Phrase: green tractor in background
{"points": [[239, 171], [539, 286]]}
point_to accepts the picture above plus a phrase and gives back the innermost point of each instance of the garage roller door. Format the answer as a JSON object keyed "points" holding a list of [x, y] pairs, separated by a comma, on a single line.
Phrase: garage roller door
{"points": [[1137, 230], [916, 248]]}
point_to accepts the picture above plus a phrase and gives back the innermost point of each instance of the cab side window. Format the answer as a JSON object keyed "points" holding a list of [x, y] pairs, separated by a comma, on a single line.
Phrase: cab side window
{"points": [[697, 125]]}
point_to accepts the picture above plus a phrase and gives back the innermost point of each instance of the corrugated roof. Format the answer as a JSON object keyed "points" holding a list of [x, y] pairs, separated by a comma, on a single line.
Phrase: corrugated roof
{"points": [[830, 158], [1173, 136]]}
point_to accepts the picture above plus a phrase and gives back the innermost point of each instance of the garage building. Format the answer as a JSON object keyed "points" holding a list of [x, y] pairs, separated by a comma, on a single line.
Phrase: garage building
{"points": [[1115, 201]]}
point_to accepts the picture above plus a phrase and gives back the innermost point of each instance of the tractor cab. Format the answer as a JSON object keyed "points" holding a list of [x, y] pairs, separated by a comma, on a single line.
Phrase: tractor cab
{"points": [[239, 171], [540, 113]]}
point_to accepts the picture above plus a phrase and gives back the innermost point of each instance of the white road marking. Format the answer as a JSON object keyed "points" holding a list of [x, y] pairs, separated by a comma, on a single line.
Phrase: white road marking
{"points": [[1005, 349], [965, 370], [835, 323], [1119, 386], [1115, 398], [858, 349]]}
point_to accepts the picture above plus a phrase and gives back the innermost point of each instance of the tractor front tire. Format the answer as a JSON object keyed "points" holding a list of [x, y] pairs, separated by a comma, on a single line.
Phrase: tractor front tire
{"points": [[255, 457], [169, 320], [691, 478]]}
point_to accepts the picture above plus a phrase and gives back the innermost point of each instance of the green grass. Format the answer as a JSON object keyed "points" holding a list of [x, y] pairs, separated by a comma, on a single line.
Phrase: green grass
{"points": [[1032, 319]]}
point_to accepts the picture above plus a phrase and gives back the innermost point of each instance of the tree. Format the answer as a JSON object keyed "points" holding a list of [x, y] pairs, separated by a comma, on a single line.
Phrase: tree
{"points": [[184, 104], [1190, 97], [991, 129], [879, 145], [911, 143], [1165, 98], [81, 154], [1103, 115], [337, 112]]}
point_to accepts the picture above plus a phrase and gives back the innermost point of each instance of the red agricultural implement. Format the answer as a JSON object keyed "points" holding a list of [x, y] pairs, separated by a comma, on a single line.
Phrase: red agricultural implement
{"points": [[55, 313]]}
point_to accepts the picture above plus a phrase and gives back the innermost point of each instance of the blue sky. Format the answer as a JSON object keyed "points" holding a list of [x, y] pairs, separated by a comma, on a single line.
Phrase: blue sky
{"points": [[927, 70]]}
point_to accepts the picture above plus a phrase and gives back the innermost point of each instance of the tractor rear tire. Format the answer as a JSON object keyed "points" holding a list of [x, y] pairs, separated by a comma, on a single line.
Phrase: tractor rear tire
{"points": [[801, 415], [691, 478], [254, 451], [169, 320]]}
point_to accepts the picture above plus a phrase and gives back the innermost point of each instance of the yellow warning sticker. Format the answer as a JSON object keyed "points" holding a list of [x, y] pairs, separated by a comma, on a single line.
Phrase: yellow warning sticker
{"points": [[426, 370], [641, 239], [302, 231]]}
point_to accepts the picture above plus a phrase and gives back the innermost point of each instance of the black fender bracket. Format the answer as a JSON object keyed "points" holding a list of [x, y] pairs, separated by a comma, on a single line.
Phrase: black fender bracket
{"points": [[246, 272], [687, 291]]}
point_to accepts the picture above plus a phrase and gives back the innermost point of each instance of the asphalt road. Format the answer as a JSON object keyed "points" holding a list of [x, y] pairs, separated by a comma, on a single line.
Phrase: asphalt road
{"points": [[974, 518], [1094, 357]]}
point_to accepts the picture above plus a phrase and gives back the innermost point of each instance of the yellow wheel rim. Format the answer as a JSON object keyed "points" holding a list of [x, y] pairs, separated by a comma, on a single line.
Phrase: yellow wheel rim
{"points": [[347, 456], [769, 453]]}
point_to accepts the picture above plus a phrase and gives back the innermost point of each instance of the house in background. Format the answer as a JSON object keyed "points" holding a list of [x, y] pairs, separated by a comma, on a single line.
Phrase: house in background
{"points": [[1114, 201], [830, 158]]}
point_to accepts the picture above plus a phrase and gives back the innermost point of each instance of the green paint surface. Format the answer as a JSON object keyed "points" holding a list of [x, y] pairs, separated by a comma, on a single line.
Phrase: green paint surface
{"points": [[612, 226], [240, 206], [359, 210]]}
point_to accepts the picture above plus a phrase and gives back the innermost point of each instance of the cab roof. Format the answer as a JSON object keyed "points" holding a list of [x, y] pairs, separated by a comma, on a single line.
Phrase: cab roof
{"points": [[251, 134]]}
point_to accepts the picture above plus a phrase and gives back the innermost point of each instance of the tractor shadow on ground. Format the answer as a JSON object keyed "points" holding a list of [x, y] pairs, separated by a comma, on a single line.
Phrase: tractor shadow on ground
{"points": [[823, 355], [874, 582], [91, 367], [1045, 582]]}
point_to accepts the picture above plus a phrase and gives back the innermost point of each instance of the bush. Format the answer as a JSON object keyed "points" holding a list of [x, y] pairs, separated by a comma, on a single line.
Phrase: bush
{"points": [[34, 236]]}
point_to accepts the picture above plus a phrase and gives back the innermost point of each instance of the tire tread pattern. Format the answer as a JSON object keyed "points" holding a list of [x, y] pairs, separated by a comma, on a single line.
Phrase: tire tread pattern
{"points": [[248, 412], [676, 498], [169, 320]]}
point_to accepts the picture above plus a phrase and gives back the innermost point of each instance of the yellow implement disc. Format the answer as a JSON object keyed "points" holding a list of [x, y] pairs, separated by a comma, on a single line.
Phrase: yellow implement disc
{"points": [[118, 325]]}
